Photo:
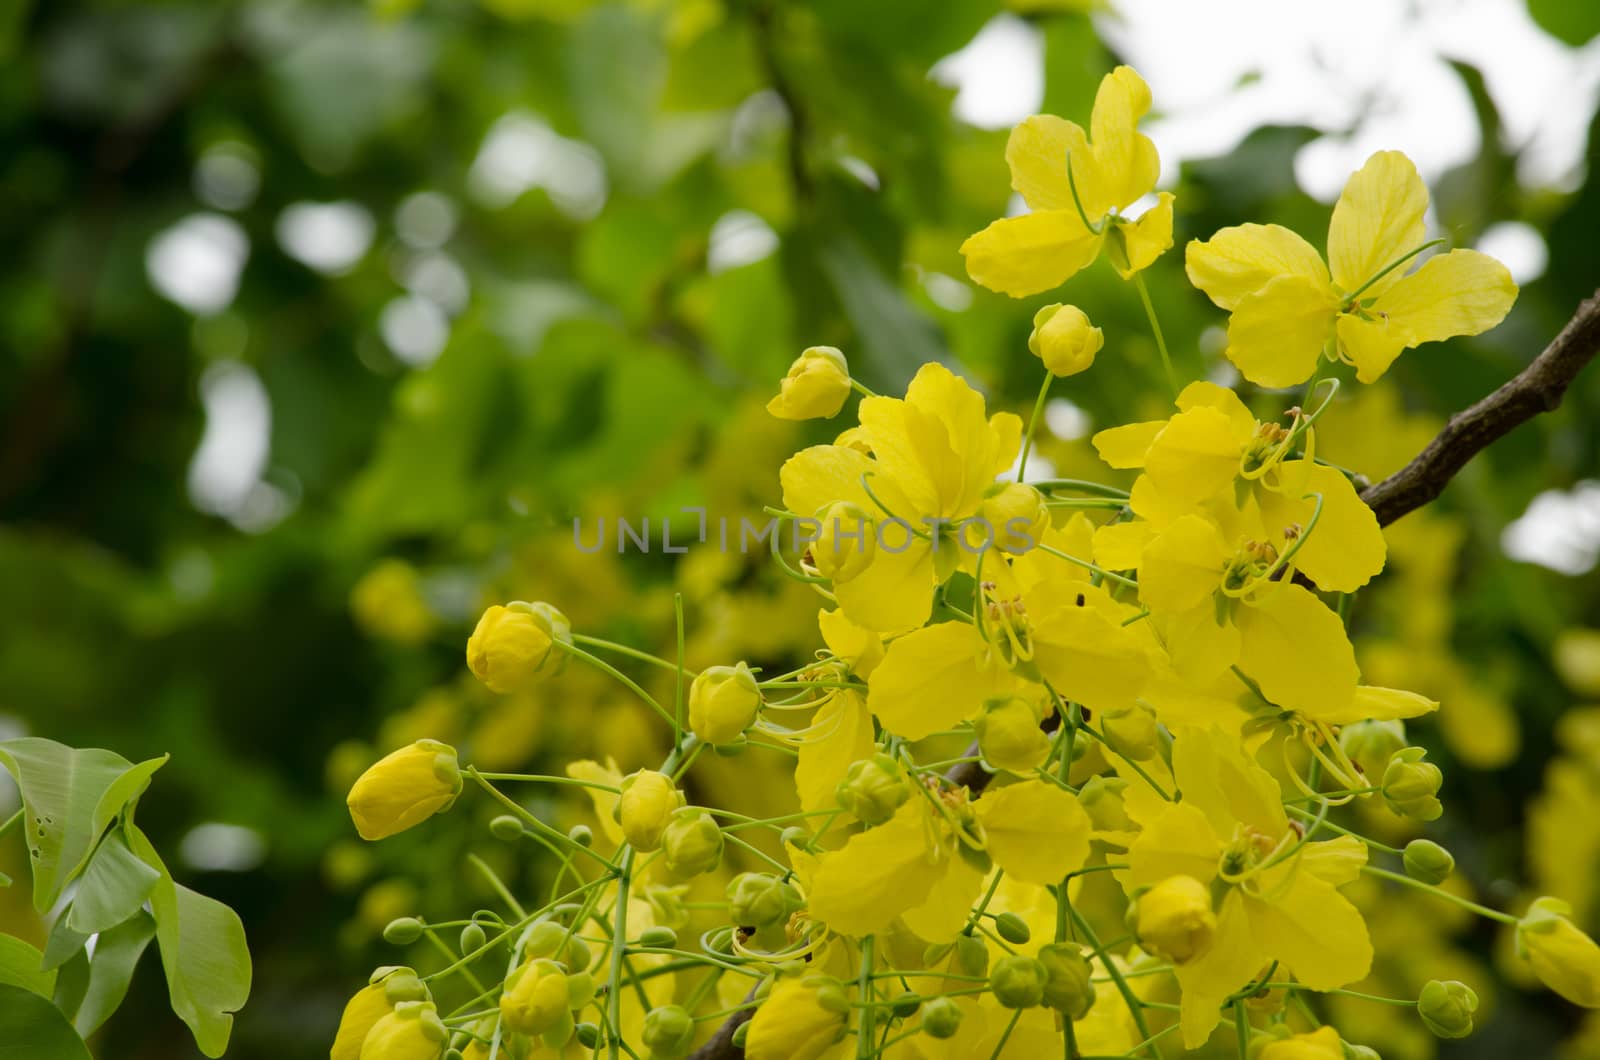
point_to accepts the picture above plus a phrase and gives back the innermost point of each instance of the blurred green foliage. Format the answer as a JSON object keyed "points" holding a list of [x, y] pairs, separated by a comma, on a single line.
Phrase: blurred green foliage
{"points": [[595, 365]]}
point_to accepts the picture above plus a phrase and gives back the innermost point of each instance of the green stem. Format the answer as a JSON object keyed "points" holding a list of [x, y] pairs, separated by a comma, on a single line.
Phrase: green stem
{"points": [[1000, 1046], [1033, 426], [619, 939], [623, 649], [1481, 910], [1241, 1029], [869, 1012], [1155, 328], [622, 678], [1129, 998]]}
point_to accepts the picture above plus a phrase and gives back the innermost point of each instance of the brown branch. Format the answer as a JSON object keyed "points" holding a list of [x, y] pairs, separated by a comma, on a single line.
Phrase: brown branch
{"points": [[1537, 388]]}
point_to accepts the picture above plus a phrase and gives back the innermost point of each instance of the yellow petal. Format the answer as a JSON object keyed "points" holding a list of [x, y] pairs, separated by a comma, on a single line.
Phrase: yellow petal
{"points": [[1371, 345], [814, 478], [1117, 546], [1238, 262], [1125, 158], [1149, 237], [1335, 861], [1036, 831], [931, 679], [895, 592], [1203, 394], [1346, 548], [1179, 842], [1230, 963], [1216, 777], [1313, 929], [1276, 334], [1125, 446], [1201, 644], [858, 646], [605, 802], [1182, 565], [970, 450], [1088, 656], [1022, 256], [944, 914], [878, 874], [1194, 456], [1379, 218], [843, 734], [1037, 154], [1380, 704], [1295, 648]]}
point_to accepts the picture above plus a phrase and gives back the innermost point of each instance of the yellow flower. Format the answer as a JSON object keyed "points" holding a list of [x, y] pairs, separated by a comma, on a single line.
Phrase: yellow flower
{"points": [[1175, 921], [1288, 306], [933, 457], [723, 701], [413, 1031], [1279, 898], [647, 803], [927, 866], [1321, 1044], [404, 788], [361, 1014], [816, 387], [1013, 518], [539, 999], [1072, 218], [512, 647], [791, 1025], [1064, 339], [1563, 957], [1009, 735]]}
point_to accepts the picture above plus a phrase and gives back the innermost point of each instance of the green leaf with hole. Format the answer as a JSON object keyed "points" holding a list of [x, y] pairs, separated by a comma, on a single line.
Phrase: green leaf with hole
{"points": [[113, 888], [31, 1028]]}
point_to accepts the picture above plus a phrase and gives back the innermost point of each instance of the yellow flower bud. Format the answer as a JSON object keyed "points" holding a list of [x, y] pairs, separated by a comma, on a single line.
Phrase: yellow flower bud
{"points": [[1563, 957], [361, 1014], [514, 647], [413, 1031], [1321, 1044], [1009, 736], [723, 701], [1175, 920], [846, 542], [758, 900], [692, 841], [1132, 733], [792, 1025], [1064, 339], [1014, 513], [1101, 798], [668, 1031], [815, 388], [1427, 861], [872, 789], [539, 998], [1411, 786], [1068, 987], [941, 1018], [1446, 1008], [646, 804], [404, 788], [1370, 744], [1018, 982]]}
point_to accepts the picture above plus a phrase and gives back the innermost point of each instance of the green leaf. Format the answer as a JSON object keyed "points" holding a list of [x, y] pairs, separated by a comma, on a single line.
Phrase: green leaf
{"points": [[203, 952], [31, 1028], [22, 965], [113, 887], [63, 944], [61, 792], [898, 339], [72, 983], [1574, 23], [116, 953]]}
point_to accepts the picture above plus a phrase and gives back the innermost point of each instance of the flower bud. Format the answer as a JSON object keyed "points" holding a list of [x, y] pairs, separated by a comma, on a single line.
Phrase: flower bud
{"points": [[758, 900], [402, 931], [646, 804], [723, 701], [404, 788], [1446, 1008], [791, 1021], [668, 1030], [659, 938], [581, 834], [1132, 733], [941, 1018], [796, 836], [1018, 982], [1101, 799], [972, 956], [1359, 1052], [1563, 957], [1067, 985], [402, 984], [1174, 919], [846, 541], [692, 841], [1015, 515], [545, 939], [872, 789], [831, 995], [363, 1011], [1370, 744], [537, 998], [1411, 786], [905, 1005], [1009, 735], [816, 386], [588, 1035], [506, 828], [1064, 339], [473, 938], [515, 647], [1012, 928], [1427, 861], [413, 1031]]}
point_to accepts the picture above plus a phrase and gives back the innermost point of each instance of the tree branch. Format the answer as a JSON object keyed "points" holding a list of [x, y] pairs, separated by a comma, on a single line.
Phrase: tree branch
{"points": [[1537, 388]]}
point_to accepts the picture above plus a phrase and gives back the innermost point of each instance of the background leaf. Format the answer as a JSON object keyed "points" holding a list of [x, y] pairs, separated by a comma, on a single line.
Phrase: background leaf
{"points": [[31, 1028]]}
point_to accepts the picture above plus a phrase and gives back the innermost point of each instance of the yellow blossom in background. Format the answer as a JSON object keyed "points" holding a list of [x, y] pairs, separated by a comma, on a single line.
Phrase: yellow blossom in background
{"points": [[1073, 217], [1563, 957], [387, 602], [1287, 306]]}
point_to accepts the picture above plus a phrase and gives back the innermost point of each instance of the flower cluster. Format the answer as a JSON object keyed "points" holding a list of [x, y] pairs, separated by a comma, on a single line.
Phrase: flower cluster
{"points": [[1080, 768]]}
